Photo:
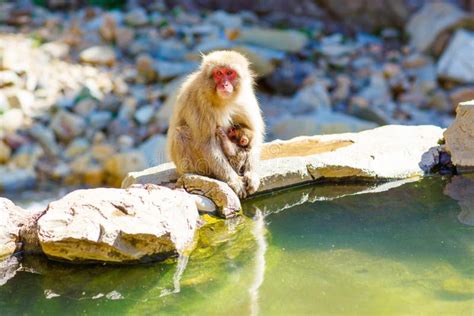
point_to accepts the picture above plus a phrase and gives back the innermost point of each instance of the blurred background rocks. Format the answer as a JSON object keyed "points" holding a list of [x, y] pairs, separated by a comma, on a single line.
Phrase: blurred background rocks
{"points": [[87, 87]]}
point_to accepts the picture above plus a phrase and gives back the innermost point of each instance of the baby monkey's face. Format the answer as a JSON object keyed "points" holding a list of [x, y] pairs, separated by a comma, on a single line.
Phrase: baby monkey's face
{"points": [[239, 135]]}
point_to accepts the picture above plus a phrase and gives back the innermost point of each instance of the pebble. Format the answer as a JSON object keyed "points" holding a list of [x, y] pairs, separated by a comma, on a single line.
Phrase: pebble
{"points": [[5, 152], [67, 126], [98, 55]]}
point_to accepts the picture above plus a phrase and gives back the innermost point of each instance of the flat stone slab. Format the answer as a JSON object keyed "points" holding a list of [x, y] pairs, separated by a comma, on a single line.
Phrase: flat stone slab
{"points": [[384, 153], [117, 225]]}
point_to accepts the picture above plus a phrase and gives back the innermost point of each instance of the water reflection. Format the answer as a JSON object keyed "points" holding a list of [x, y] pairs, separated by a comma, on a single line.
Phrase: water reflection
{"points": [[276, 202], [259, 234], [180, 267], [321, 249], [461, 189]]}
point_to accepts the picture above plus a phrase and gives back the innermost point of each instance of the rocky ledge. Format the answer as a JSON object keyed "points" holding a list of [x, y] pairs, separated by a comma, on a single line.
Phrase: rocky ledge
{"points": [[155, 214], [384, 153]]}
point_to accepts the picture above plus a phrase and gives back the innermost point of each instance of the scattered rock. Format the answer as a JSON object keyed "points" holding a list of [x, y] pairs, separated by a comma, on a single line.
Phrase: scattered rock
{"points": [[430, 159], [99, 55], [99, 119], [144, 114], [323, 122], [8, 78], [17, 179], [290, 41], [116, 225], [171, 50], [67, 126], [227, 202], [12, 218], [119, 165], [169, 70], [440, 101], [225, 20], [459, 137], [146, 69], [12, 120], [461, 94], [56, 49], [288, 78], [154, 150], [457, 63], [311, 98], [428, 23], [5, 152], [261, 64], [136, 17], [124, 36], [164, 113], [46, 139]]}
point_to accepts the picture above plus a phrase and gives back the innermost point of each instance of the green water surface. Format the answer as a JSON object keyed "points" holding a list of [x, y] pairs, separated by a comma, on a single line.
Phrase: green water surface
{"points": [[317, 250]]}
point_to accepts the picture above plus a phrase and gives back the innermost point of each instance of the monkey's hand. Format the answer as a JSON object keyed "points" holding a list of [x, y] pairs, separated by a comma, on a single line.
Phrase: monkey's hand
{"points": [[221, 133], [238, 185], [252, 182]]}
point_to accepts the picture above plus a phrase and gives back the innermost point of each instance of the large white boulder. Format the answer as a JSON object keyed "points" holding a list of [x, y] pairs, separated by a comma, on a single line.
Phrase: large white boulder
{"points": [[12, 218], [117, 225]]}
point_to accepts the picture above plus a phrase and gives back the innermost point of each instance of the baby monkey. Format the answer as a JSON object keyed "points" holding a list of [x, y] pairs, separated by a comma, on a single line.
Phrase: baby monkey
{"points": [[236, 145]]}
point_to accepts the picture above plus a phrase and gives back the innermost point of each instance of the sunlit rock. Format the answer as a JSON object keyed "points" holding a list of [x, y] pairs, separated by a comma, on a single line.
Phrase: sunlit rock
{"points": [[116, 225], [5, 152], [98, 55], [12, 218], [117, 166], [136, 17], [17, 179], [67, 125], [388, 152], [285, 40], [435, 17], [227, 202], [322, 122], [457, 62], [460, 136]]}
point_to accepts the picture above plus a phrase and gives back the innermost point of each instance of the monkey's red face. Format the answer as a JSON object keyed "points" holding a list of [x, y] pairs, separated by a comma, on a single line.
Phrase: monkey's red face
{"points": [[225, 80]]}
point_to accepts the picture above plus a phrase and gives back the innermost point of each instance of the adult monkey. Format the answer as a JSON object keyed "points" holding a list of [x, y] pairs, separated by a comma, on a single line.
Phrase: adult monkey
{"points": [[219, 94]]}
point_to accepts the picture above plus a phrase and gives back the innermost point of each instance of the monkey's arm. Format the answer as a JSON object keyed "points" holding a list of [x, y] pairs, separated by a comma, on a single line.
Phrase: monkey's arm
{"points": [[219, 166], [229, 148], [250, 116]]}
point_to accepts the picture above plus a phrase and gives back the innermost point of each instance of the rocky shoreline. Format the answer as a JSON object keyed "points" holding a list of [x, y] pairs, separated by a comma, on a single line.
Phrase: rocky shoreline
{"points": [[156, 215]]}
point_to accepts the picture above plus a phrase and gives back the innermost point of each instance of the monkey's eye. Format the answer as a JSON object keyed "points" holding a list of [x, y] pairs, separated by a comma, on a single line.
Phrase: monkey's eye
{"points": [[218, 73], [230, 73]]}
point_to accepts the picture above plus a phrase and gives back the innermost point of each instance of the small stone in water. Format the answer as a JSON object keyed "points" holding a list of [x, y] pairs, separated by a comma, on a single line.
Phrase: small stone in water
{"points": [[49, 294], [114, 295]]}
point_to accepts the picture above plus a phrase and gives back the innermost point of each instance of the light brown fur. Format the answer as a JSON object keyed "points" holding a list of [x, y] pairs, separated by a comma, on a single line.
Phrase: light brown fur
{"points": [[236, 153], [192, 142]]}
